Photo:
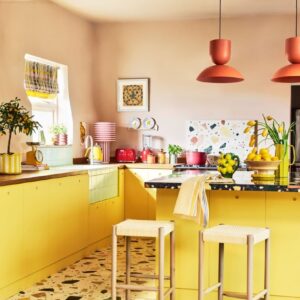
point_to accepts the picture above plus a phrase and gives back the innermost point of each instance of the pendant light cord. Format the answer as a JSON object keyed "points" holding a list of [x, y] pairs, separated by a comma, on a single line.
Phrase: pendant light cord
{"points": [[296, 17], [220, 18]]}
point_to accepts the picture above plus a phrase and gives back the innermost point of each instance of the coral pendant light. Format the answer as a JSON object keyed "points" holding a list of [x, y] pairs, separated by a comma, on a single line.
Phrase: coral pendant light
{"points": [[291, 72], [220, 53]]}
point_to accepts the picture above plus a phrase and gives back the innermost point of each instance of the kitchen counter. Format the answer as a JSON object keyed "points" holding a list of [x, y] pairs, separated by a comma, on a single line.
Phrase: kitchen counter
{"points": [[72, 170], [242, 182]]}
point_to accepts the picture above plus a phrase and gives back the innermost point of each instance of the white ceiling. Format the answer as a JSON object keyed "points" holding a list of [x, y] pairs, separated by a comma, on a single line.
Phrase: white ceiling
{"points": [[150, 10]]}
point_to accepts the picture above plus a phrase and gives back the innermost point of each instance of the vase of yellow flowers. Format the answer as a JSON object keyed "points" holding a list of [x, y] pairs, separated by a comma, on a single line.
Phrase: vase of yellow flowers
{"points": [[279, 133]]}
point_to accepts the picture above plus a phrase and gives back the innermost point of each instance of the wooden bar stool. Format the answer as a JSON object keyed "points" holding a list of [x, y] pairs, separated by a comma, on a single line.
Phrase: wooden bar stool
{"points": [[144, 228], [235, 235]]}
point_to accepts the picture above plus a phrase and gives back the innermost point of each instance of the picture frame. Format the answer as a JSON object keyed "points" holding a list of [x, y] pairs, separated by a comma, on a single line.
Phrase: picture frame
{"points": [[133, 94]]}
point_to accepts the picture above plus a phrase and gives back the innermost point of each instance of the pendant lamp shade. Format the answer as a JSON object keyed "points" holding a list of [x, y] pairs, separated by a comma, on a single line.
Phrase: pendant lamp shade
{"points": [[220, 51], [291, 72]]}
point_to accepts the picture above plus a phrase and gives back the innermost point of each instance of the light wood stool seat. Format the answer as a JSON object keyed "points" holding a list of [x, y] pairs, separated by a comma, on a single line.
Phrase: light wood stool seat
{"points": [[232, 234], [144, 228]]}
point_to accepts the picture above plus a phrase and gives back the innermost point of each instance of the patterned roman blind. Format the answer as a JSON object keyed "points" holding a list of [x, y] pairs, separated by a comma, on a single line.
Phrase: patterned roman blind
{"points": [[40, 80]]}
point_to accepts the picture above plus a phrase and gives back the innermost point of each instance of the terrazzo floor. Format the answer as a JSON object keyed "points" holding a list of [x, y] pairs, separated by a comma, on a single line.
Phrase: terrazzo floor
{"points": [[89, 278]]}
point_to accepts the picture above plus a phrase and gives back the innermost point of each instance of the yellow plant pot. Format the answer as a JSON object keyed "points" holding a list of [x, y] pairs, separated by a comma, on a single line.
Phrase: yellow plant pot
{"points": [[10, 163], [283, 155]]}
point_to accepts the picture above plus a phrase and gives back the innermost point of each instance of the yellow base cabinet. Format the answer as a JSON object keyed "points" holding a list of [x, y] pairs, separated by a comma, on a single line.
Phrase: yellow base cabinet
{"points": [[278, 211], [140, 202], [11, 235]]}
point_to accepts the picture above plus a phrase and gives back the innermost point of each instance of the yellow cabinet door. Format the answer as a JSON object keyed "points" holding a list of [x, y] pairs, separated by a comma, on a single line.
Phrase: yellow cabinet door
{"points": [[136, 196], [36, 225], [96, 222], [237, 208], [11, 235], [68, 215], [283, 218]]}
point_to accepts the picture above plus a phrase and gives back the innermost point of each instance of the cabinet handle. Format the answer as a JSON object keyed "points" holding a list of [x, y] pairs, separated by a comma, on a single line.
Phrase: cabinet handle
{"points": [[36, 187], [294, 199], [8, 193], [237, 197], [79, 180]]}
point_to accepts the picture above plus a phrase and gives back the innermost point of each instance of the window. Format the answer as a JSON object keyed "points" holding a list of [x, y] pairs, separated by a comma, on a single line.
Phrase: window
{"points": [[46, 85]]}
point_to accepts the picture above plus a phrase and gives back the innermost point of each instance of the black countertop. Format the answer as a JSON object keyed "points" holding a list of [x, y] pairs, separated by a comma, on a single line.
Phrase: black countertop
{"points": [[242, 181]]}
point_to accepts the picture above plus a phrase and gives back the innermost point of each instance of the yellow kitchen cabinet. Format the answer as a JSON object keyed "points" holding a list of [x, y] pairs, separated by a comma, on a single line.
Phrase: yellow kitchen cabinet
{"points": [[140, 202], [237, 208], [103, 214], [283, 218], [36, 225], [11, 235]]}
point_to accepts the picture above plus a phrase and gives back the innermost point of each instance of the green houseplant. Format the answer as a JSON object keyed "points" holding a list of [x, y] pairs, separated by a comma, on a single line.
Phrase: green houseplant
{"points": [[174, 151], [60, 136], [14, 118]]}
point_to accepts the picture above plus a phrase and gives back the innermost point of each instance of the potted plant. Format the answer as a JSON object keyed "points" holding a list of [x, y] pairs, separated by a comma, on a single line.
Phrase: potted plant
{"points": [[60, 136], [14, 118], [174, 151]]}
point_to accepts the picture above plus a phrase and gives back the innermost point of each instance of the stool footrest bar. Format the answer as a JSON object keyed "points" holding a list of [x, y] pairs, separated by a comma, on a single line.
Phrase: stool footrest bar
{"points": [[260, 295], [169, 291], [211, 288], [136, 287], [149, 276], [235, 295]]}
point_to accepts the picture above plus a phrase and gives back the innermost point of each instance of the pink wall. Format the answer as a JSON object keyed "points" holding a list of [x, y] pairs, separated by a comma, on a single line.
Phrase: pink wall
{"points": [[173, 53], [43, 29]]}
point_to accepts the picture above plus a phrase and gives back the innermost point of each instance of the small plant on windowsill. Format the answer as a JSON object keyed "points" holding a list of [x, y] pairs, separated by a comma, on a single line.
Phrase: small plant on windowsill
{"points": [[60, 136], [174, 151], [14, 118]]}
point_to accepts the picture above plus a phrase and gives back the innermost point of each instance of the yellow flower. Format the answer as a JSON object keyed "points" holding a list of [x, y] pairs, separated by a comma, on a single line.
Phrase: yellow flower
{"points": [[280, 129], [251, 123], [265, 132], [252, 142], [247, 129], [269, 118]]}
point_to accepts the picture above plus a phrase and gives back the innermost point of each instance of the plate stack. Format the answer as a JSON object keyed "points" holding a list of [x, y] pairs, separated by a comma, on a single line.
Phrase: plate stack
{"points": [[104, 133]]}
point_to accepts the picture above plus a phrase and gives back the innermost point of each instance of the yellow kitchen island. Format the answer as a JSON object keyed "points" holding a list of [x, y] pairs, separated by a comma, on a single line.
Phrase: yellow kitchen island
{"points": [[276, 206]]}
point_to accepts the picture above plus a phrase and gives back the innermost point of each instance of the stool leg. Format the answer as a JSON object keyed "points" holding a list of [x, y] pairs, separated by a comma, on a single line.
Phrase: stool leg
{"points": [[172, 264], [267, 268], [221, 271], [201, 268], [114, 264], [250, 245], [161, 268], [127, 292]]}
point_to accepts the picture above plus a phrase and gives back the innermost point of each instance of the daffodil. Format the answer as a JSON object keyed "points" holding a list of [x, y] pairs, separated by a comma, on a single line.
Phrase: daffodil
{"points": [[265, 133], [247, 129], [269, 118], [251, 123]]}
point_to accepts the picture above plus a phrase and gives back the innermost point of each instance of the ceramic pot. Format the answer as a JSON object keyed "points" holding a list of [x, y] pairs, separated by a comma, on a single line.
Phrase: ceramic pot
{"points": [[282, 152], [60, 140], [10, 163], [172, 159]]}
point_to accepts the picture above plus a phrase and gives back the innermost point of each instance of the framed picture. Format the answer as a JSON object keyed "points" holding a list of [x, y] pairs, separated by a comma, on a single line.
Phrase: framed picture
{"points": [[133, 94]]}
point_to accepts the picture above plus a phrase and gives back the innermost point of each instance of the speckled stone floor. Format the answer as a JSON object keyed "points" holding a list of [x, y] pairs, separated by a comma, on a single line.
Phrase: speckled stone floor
{"points": [[89, 278]]}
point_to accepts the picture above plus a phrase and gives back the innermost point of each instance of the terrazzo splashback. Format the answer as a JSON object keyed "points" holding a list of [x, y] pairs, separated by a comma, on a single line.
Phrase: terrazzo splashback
{"points": [[214, 136]]}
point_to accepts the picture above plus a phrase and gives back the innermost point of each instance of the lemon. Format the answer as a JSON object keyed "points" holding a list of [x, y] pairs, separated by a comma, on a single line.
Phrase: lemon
{"points": [[266, 157], [257, 157], [223, 170], [263, 151], [228, 156], [251, 156], [229, 169], [274, 158], [219, 169], [231, 162]]}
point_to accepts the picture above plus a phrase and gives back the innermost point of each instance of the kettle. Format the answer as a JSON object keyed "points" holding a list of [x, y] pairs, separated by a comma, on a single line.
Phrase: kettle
{"points": [[95, 152]]}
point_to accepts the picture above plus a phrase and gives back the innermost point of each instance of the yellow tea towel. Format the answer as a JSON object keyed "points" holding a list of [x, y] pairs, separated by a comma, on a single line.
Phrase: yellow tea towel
{"points": [[192, 200]]}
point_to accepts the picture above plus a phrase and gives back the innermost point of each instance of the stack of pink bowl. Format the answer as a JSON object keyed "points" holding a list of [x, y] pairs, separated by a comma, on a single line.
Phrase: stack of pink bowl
{"points": [[104, 133]]}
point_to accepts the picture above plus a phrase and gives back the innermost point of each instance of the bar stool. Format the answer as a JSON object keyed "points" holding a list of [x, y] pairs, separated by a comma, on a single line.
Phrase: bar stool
{"points": [[144, 228], [235, 235]]}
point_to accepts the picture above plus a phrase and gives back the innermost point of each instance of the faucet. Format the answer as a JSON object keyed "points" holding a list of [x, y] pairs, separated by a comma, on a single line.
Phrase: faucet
{"points": [[89, 140]]}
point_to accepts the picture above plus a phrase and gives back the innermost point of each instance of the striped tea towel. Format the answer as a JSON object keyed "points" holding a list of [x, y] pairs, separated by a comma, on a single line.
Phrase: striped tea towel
{"points": [[192, 200]]}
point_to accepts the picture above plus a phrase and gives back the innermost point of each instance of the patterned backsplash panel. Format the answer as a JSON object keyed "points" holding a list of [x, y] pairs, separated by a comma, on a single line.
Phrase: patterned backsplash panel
{"points": [[214, 136]]}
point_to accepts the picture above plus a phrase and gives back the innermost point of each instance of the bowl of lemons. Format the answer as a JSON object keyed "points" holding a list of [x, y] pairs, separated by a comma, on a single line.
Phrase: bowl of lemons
{"points": [[228, 163], [263, 163]]}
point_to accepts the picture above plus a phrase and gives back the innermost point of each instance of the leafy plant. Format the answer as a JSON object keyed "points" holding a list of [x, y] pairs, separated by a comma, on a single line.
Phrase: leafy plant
{"points": [[58, 129], [174, 149], [15, 118]]}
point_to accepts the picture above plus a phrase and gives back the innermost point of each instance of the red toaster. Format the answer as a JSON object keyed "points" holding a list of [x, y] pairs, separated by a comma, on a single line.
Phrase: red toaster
{"points": [[125, 155]]}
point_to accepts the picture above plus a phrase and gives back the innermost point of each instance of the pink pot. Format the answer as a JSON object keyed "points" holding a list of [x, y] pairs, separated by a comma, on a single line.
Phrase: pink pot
{"points": [[195, 158]]}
